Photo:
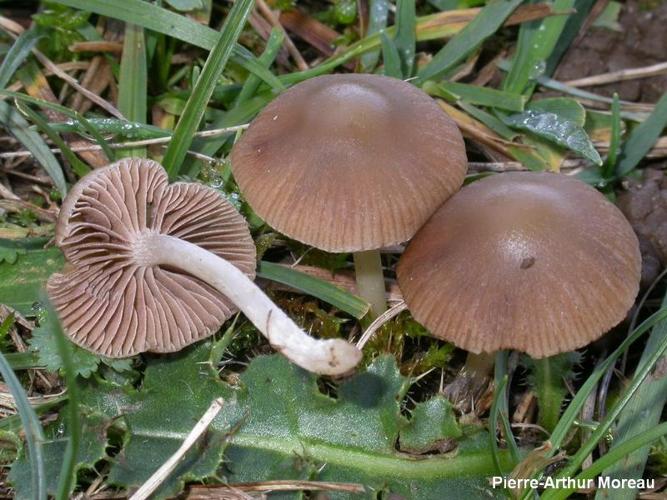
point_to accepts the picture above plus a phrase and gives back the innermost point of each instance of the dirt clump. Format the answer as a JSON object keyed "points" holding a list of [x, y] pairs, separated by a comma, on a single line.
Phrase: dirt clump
{"points": [[645, 206], [641, 42]]}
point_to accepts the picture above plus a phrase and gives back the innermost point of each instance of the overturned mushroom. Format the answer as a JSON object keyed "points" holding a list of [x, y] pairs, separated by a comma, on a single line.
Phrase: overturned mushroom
{"points": [[156, 267], [537, 262], [350, 163]]}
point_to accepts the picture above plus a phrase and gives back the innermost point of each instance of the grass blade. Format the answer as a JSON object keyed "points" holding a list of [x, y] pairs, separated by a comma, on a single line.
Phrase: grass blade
{"points": [[537, 41], [273, 46], [32, 428], [642, 138], [615, 455], [501, 385], [201, 94], [22, 360], [66, 481], [323, 290], [482, 96], [485, 24], [85, 124], [609, 166], [391, 59], [405, 39], [33, 142], [78, 166], [18, 52], [569, 415], [587, 447], [161, 20], [648, 402], [378, 12], [570, 31], [133, 81]]}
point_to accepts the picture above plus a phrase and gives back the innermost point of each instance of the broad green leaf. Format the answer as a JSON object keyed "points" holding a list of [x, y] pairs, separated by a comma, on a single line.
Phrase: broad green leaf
{"points": [[22, 281], [43, 343], [559, 121], [175, 392], [566, 109], [8, 255], [279, 425], [91, 449], [432, 427]]}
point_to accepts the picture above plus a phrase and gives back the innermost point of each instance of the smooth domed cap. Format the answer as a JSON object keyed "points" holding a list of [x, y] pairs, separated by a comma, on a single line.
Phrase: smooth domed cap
{"points": [[112, 302], [349, 162], [537, 262]]}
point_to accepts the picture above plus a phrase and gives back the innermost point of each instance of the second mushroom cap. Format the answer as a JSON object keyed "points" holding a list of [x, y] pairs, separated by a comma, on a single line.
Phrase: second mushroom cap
{"points": [[349, 162], [541, 263]]}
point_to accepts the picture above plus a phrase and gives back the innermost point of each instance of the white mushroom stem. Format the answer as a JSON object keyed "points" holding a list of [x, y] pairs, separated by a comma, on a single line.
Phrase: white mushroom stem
{"points": [[326, 357]]}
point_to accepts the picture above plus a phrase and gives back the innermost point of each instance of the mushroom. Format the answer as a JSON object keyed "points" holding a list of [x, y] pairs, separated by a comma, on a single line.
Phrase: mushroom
{"points": [[537, 262], [155, 267], [350, 163]]}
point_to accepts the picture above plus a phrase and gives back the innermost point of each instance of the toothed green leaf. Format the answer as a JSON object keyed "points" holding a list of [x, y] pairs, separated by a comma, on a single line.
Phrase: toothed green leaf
{"points": [[277, 424], [91, 449]]}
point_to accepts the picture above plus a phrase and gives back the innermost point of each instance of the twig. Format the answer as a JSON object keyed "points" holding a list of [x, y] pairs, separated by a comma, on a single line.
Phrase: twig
{"points": [[380, 321], [167, 468], [619, 76], [95, 46], [266, 11]]}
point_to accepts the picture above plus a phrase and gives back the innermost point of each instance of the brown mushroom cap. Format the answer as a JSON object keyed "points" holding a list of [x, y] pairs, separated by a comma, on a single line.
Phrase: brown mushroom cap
{"points": [[349, 162], [111, 302], [537, 262]]}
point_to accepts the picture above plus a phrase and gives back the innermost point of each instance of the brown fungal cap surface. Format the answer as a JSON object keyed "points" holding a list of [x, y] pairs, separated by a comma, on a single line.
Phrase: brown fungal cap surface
{"points": [[540, 263], [349, 162], [112, 300]]}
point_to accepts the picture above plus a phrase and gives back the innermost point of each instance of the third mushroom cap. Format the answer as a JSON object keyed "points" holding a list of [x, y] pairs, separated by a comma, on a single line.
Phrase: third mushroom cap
{"points": [[540, 263]]}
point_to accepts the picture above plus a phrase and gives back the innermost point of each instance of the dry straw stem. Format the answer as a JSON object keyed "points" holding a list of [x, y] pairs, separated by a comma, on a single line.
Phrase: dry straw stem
{"points": [[210, 492], [619, 76], [380, 321], [266, 11], [163, 472]]}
